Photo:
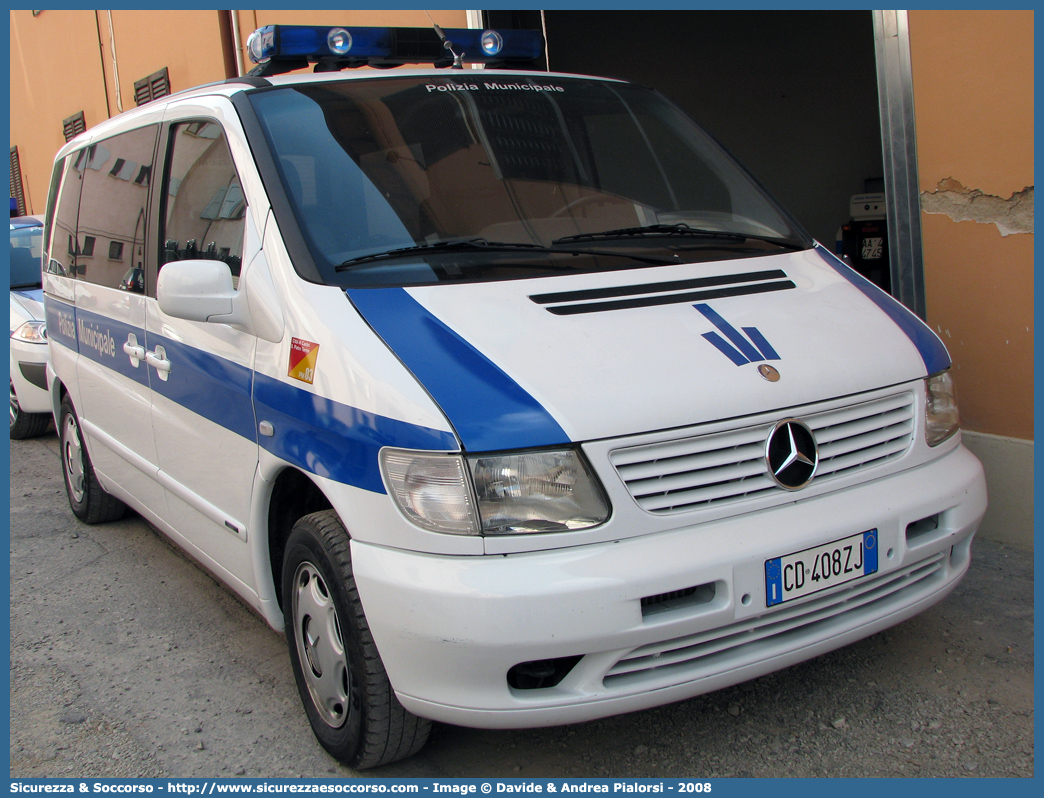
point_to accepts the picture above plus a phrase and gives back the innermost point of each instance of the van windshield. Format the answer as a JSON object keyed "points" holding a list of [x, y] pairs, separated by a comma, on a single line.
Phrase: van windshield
{"points": [[410, 180]]}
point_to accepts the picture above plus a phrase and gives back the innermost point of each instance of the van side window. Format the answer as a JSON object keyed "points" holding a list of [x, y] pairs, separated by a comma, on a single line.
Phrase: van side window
{"points": [[112, 227], [61, 234], [204, 208]]}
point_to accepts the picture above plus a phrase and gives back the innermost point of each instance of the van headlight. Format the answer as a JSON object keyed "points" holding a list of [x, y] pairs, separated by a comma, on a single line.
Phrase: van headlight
{"points": [[495, 494], [940, 408]]}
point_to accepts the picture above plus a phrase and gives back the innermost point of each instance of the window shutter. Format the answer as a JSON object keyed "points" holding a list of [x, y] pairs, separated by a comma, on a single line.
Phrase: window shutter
{"points": [[16, 182], [153, 87], [73, 125]]}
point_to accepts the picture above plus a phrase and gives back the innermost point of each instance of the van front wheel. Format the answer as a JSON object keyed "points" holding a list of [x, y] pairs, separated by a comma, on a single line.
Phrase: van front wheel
{"points": [[350, 703]]}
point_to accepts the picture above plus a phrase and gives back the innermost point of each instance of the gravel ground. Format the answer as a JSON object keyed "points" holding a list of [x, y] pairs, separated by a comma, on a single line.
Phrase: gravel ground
{"points": [[128, 661]]}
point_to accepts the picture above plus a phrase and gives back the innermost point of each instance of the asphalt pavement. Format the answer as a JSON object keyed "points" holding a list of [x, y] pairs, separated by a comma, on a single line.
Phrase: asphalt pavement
{"points": [[127, 660]]}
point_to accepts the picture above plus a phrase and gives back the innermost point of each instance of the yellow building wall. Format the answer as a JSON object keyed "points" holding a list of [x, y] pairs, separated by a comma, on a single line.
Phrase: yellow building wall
{"points": [[973, 95], [196, 47], [188, 43], [44, 91]]}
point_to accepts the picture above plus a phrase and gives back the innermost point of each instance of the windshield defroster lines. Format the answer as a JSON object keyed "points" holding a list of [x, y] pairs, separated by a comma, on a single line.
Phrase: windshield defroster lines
{"points": [[716, 287]]}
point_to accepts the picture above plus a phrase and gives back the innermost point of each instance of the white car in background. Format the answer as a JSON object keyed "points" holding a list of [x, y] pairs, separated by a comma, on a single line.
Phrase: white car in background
{"points": [[30, 404]]}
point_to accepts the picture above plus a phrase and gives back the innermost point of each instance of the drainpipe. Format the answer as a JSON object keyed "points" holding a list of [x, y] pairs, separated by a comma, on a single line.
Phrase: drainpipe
{"points": [[115, 66], [236, 41], [101, 58]]}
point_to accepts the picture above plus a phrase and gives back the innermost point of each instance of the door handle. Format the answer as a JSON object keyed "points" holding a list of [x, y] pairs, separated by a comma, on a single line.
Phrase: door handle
{"points": [[158, 360], [134, 350]]}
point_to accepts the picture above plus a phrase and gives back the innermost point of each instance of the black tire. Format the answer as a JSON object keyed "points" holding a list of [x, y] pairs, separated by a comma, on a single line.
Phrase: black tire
{"points": [[26, 425], [343, 685], [88, 500]]}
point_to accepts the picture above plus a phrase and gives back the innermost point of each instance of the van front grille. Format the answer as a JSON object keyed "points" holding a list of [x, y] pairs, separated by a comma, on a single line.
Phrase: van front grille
{"points": [[702, 470]]}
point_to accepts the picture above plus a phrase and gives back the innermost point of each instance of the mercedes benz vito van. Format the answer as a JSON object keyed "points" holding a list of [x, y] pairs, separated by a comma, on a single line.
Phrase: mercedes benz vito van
{"points": [[508, 395]]}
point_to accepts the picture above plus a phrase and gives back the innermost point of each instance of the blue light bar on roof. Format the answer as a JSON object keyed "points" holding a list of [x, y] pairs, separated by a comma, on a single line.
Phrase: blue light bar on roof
{"points": [[337, 47]]}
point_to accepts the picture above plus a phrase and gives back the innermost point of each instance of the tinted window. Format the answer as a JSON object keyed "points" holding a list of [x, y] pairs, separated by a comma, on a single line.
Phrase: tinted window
{"points": [[65, 185], [204, 213], [111, 232]]}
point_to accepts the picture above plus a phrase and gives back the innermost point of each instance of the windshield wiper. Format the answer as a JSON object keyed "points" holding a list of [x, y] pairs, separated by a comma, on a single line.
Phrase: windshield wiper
{"points": [[481, 244], [455, 245], [675, 230]]}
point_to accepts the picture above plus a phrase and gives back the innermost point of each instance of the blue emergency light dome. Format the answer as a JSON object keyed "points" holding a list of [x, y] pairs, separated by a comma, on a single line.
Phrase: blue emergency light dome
{"points": [[339, 41], [281, 48], [492, 43]]}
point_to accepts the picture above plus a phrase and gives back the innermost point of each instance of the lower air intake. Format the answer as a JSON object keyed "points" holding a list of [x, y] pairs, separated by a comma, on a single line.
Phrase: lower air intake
{"points": [[786, 629]]}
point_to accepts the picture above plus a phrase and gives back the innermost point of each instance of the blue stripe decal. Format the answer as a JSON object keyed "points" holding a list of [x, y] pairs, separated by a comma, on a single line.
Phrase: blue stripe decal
{"points": [[316, 434], [212, 387], [488, 409], [759, 340], [722, 346], [95, 337], [931, 349], [334, 440], [731, 332], [61, 322]]}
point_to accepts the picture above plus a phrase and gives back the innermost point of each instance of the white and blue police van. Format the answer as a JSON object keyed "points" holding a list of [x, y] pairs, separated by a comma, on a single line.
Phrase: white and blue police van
{"points": [[508, 395]]}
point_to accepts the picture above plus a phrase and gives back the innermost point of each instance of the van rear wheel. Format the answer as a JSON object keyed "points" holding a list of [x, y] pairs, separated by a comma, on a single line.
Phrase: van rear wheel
{"points": [[350, 703], [88, 500]]}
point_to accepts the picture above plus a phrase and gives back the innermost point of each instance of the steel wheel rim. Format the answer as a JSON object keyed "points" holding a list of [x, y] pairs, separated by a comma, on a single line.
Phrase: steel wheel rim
{"points": [[72, 457], [15, 407], [320, 646]]}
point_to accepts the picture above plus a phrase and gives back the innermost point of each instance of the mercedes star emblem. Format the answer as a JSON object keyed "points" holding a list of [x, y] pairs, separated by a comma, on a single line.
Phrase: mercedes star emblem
{"points": [[769, 373], [791, 454]]}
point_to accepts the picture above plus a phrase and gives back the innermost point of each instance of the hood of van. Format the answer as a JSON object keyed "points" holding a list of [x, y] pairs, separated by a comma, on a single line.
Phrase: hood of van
{"points": [[528, 363]]}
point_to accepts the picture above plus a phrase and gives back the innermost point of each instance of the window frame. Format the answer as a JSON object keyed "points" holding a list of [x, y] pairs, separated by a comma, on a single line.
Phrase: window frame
{"points": [[90, 158], [161, 195]]}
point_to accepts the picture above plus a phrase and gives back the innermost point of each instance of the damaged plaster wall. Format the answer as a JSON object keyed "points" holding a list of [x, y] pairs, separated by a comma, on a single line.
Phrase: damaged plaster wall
{"points": [[952, 199], [974, 95]]}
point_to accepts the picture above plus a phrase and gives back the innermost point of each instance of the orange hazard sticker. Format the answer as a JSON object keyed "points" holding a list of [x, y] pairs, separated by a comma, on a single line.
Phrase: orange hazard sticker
{"points": [[303, 355]]}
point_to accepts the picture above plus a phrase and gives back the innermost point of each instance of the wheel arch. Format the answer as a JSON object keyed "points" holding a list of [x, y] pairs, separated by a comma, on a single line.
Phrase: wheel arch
{"points": [[58, 392], [293, 495]]}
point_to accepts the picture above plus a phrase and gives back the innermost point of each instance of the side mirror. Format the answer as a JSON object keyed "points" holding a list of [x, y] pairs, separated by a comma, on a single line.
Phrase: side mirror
{"points": [[202, 290], [197, 290]]}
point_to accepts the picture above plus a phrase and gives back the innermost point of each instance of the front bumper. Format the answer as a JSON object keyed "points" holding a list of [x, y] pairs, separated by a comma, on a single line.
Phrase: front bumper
{"points": [[450, 628], [28, 364]]}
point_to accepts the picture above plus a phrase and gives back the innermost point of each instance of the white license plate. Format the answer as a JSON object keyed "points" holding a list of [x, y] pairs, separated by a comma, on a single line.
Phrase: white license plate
{"points": [[809, 571]]}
